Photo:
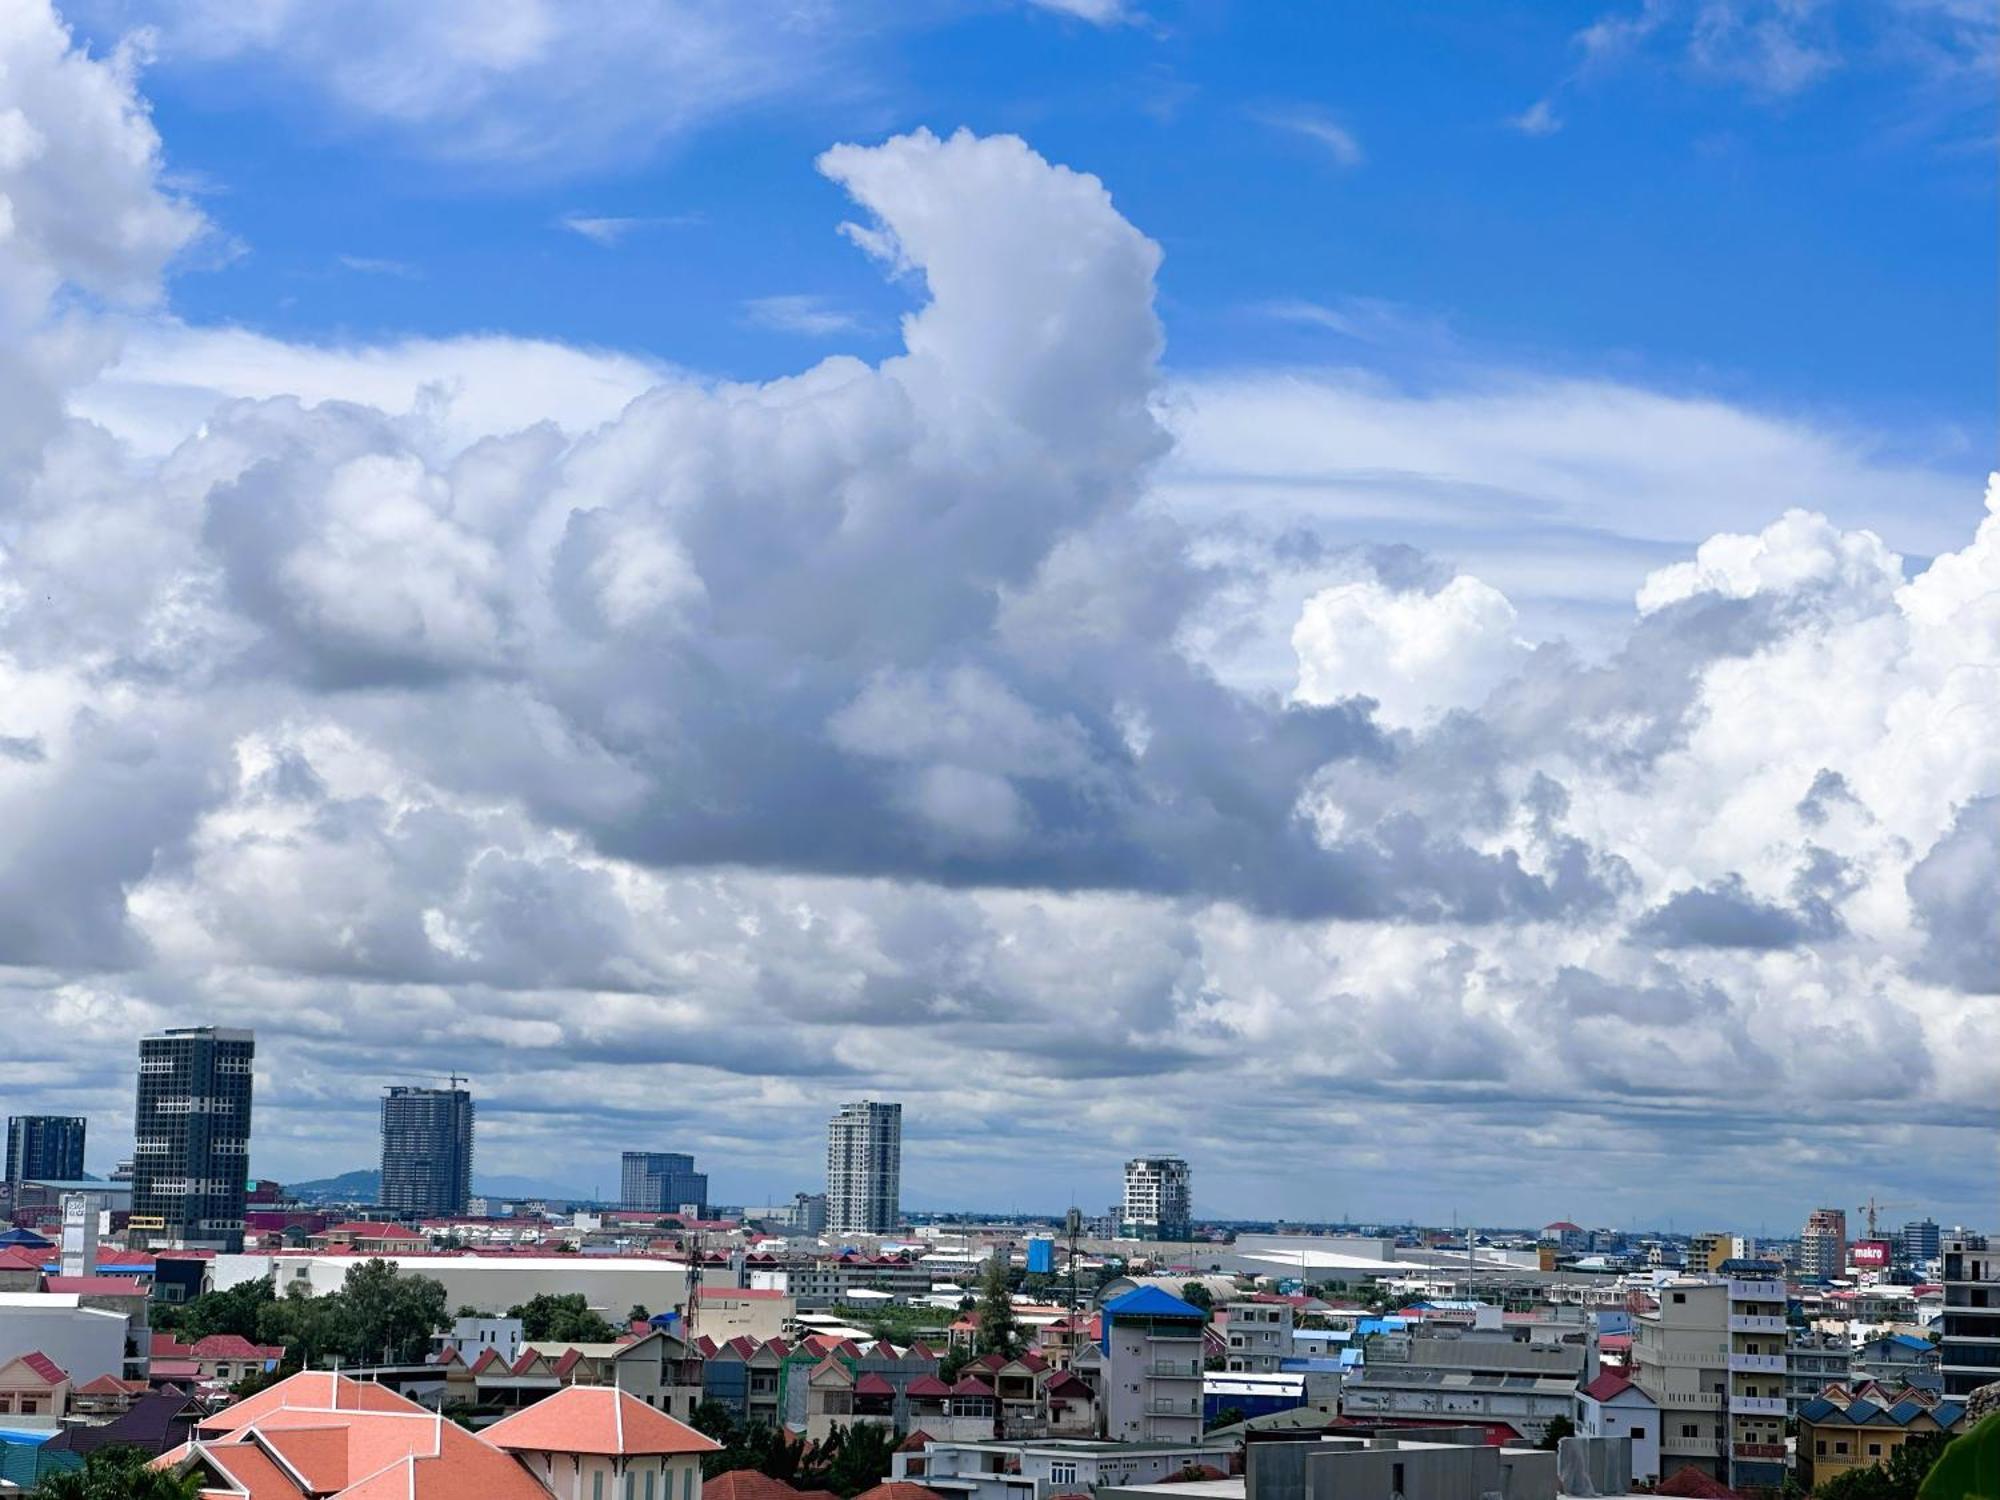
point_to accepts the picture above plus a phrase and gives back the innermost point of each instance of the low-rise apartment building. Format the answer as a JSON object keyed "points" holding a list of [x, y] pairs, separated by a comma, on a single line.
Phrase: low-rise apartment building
{"points": [[1814, 1361], [1502, 1381], [1152, 1344], [1258, 1334], [1844, 1429], [1038, 1470]]}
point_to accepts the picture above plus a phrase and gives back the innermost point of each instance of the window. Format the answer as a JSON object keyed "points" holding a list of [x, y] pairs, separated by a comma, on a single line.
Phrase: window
{"points": [[650, 1478], [1820, 1447], [631, 1485], [1637, 1433], [1839, 1447], [1680, 1296], [1688, 1430], [687, 1482], [597, 1485], [1874, 1450], [1396, 1478], [1062, 1473]]}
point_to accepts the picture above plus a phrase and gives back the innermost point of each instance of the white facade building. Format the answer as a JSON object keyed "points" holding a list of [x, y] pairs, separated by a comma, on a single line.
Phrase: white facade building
{"points": [[1159, 1199], [864, 1168]]}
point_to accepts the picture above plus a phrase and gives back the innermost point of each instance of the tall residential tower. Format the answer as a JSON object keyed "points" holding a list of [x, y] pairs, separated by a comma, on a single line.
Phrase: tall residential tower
{"points": [[426, 1150], [864, 1168], [191, 1146]]}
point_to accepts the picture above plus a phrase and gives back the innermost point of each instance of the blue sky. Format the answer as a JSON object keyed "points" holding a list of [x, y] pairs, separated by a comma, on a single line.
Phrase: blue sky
{"points": [[1687, 224], [1410, 578]]}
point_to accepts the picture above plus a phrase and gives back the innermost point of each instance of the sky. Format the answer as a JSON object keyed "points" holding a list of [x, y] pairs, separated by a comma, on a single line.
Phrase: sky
{"points": [[1402, 601]]}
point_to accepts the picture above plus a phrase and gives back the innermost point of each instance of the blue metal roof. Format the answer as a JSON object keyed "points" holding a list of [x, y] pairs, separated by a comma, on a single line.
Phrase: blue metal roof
{"points": [[1151, 1302]]}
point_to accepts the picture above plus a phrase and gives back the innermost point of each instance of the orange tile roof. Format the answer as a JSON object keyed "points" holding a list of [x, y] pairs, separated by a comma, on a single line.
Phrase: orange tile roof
{"points": [[317, 1455], [310, 1390], [254, 1472], [595, 1419]]}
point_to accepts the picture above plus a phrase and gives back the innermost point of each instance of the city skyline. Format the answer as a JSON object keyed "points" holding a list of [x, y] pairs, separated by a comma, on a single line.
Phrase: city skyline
{"points": [[1396, 601]]}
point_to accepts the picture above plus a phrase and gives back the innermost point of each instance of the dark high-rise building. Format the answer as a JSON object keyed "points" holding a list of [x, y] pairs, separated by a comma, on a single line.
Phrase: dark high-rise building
{"points": [[661, 1182], [44, 1148], [426, 1150], [1970, 1353], [1921, 1241], [191, 1146]]}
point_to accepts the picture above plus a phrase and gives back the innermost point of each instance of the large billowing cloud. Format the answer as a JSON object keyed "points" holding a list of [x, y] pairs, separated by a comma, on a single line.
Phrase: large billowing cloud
{"points": [[681, 756]]}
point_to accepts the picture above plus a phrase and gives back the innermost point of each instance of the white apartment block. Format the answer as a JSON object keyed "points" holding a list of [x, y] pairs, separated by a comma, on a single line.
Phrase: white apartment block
{"points": [[864, 1168], [1159, 1199]]}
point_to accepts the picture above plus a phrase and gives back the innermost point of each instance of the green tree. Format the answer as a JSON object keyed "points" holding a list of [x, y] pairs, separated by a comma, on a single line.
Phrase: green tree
{"points": [[236, 1311], [999, 1333], [309, 1327], [1558, 1429], [565, 1319], [387, 1315], [117, 1473], [1196, 1293], [1969, 1466], [638, 1314], [862, 1458], [1227, 1416]]}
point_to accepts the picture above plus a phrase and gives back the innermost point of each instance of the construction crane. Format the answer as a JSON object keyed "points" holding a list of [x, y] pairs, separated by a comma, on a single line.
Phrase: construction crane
{"points": [[1871, 1208]]}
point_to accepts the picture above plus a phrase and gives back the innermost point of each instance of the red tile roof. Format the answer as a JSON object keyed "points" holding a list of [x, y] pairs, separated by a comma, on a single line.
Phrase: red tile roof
{"points": [[1607, 1385], [595, 1419], [873, 1384], [916, 1442], [95, 1286], [43, 1366], [370, 1230], [927, 1385], [898, 1489], [1692, 1484], [971, 1385], [111, 1385], [746, 1484]]}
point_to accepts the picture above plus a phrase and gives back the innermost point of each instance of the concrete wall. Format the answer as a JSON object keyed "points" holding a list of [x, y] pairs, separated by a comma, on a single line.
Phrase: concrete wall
{"points": [[491, 1283], [85, 1342]]}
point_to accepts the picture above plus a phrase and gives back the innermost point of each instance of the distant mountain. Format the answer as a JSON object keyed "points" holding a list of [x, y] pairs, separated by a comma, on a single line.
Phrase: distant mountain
{"points": [[364, 1185], [349, 1187]]}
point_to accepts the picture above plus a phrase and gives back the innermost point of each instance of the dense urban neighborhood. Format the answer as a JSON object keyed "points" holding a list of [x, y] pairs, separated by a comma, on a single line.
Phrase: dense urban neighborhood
{"points": [[252, 1338]]}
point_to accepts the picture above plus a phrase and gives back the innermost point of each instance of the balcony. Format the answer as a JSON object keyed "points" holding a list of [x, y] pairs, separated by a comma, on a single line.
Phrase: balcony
{"points": [[1690, 1400], [1704, 1447], [1173, 1409], [1175, 1369], [1755, 1323], [1757, 1406], [1758, 1364], [1756, 1291], [1761, 1452]]}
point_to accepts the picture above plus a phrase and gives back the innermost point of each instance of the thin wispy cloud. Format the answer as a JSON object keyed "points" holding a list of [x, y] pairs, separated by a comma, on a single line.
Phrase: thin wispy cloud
{"points": [[1320, 128], [808, 314], [376, 265], [611, 230], [1097, 12], [1538, 119]]}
